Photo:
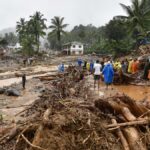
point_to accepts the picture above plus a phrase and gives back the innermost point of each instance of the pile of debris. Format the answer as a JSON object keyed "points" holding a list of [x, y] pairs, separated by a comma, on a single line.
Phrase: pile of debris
{"points": [[66, 117], [144, 49], [130, 121]]}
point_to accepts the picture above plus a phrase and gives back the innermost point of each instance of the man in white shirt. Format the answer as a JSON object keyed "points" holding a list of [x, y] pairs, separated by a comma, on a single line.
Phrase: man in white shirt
{"points": [[97, 73]]}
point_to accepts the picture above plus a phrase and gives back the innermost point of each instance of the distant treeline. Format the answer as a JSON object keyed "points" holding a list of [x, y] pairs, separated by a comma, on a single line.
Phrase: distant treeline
{"points": [[119, 36]]}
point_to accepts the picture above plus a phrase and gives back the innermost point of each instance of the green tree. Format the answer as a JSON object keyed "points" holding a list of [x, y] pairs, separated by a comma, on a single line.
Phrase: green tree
{"points": [[114, 30], [137, 18], [11, 38], [37, 24], [3, 42], [21, 29], [57, 28], [30, 32]]}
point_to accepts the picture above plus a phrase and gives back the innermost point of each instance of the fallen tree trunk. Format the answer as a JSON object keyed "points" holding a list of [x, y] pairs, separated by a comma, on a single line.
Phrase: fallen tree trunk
{"points": [[131, 133], [128, 115], [131, 123], [121, 136], [133, 138], [46, 78], [39, 133], [116, 104]]}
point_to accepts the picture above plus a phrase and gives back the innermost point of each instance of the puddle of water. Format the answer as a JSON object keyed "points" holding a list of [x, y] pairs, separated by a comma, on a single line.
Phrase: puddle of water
{"points": [[135, 92], [18, 104]]}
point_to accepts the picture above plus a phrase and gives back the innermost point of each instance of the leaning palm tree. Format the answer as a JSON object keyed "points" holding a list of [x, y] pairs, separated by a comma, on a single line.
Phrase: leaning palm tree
{"points": [[58, 28], [138, 16]]}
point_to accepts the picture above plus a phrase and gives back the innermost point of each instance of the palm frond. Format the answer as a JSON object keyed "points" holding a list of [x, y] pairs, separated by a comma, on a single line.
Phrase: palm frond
{"points": [[128, 9]]}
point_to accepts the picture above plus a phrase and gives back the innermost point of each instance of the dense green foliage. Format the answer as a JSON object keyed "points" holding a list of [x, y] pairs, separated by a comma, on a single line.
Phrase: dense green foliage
{"points": [[3, 42], [118, 37], [137, 19], [30, 32], [9, 39]]}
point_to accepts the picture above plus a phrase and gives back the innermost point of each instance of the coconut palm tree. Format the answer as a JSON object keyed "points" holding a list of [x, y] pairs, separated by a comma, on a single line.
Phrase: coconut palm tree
{"points": [[58, 28], [37, 26], [137, 19], [138, 16], [21, 28]]}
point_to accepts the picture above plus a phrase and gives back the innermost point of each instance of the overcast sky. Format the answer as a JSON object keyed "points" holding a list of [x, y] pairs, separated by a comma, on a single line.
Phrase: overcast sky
{"points": [[96, 12]]}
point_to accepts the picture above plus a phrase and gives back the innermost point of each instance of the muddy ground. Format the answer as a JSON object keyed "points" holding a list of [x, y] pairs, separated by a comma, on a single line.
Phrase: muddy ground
{"points": [[75, 122]]}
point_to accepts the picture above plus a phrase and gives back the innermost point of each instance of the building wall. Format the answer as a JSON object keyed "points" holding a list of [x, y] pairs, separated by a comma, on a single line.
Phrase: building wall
{"points": [[76, 49]]}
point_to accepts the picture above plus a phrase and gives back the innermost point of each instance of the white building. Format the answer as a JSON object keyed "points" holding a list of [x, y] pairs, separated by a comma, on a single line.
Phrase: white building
{"points": [[73, 48], [17, 46]]}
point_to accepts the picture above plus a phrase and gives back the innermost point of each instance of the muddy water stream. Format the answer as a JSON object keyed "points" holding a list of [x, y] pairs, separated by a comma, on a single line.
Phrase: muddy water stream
{"points": [[10, 81], [135, 92], [29, 96], [10, 106]]}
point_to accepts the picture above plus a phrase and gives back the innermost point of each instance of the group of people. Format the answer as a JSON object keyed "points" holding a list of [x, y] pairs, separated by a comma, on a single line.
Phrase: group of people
{"points": [[136, 65], [100, 70], [106, 69], [28, 61]]}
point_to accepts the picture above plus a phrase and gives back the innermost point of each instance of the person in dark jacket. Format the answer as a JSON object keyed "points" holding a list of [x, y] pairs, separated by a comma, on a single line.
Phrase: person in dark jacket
{"points": [[23, 81], [146, 70]]}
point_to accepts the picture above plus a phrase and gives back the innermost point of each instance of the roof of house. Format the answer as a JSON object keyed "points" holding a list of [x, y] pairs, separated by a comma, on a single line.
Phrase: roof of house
{"points": [[73, 43]]}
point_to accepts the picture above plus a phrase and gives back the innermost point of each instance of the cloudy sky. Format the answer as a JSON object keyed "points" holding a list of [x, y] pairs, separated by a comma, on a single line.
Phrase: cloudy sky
{"points": [[96, 12]]}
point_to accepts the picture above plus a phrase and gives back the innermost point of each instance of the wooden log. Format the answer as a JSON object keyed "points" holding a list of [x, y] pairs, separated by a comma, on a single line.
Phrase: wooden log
{"points": [[116, 104], [121, 136], [39, 133], [46, 114], [136, 108], [46, 78], [128, 115], [133, 139], [131, 133], [131, 123]]}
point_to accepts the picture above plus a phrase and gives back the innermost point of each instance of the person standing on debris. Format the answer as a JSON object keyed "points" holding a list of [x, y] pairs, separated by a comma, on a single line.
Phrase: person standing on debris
{"points": [[97, 73], [85, 63], [146, 70], [126, 63], [123, 66], [79, 61], [134, 66], [24, 61], [88, 66], [91, 66], [108, 73], [130, 66], [23, 81], [61, 68]]}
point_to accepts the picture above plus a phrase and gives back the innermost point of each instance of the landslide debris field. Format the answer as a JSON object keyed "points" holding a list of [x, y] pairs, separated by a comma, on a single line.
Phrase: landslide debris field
{"points": [[68, 115]]}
